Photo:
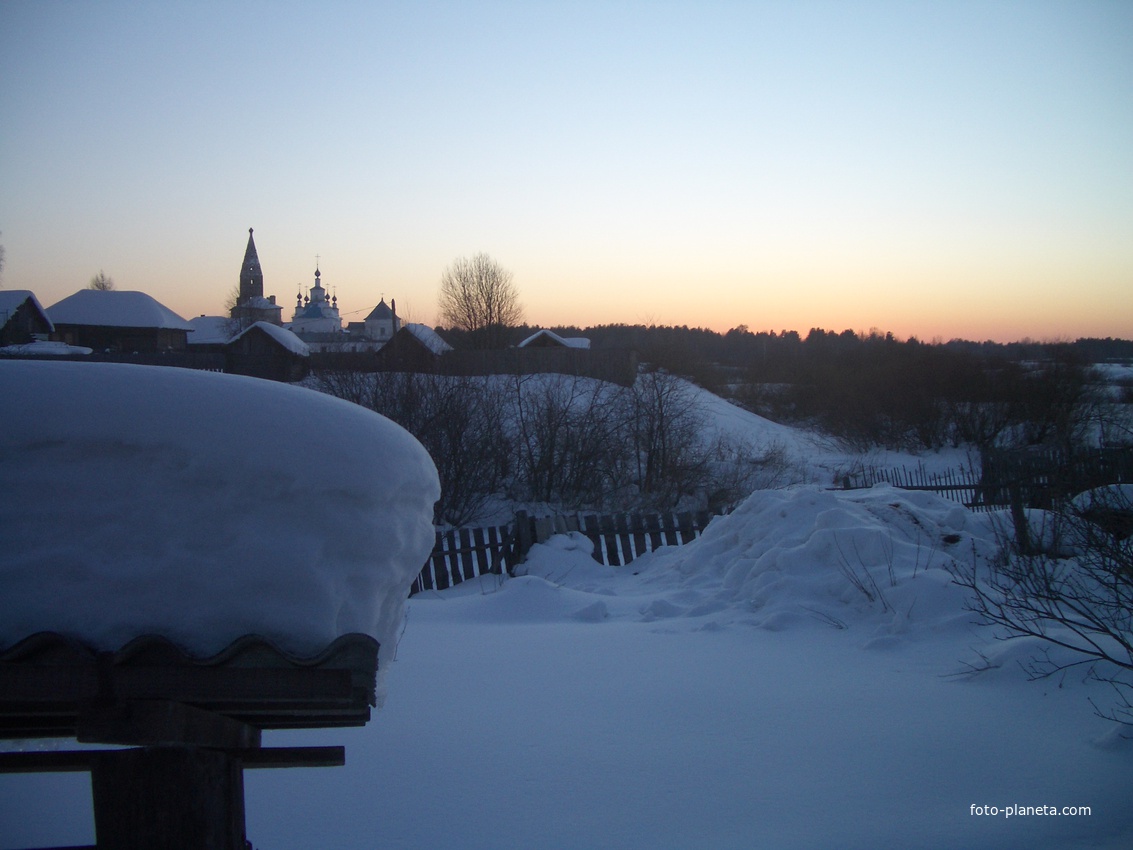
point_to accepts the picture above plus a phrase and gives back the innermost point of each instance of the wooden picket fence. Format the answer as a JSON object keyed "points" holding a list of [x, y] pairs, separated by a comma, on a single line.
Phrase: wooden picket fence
{"points": [[465, 553], [461, 554], [959, 485], [1031, 477]]}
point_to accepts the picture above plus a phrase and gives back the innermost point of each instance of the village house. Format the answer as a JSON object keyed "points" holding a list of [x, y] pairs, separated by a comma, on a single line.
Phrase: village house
{"points": [[22, 318], [113, 321], [414, 348], [550, 339], [267, 351]]}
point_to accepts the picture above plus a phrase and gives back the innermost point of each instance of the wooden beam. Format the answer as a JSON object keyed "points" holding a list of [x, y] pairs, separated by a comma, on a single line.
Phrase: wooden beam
{"points": [[150, 722], [75, 761]]}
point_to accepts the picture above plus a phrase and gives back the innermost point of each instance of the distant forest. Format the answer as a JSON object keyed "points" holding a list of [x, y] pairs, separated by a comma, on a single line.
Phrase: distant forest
{"points": [[874, 389]]}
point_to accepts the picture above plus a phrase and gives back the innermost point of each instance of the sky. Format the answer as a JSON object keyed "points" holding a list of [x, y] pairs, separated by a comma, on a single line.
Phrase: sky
{"points": [[941, 170]]}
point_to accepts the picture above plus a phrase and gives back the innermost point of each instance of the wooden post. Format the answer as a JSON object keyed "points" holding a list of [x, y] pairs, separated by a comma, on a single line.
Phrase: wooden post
{"points": [[177, 798], [523, 535], [1019, 520]]}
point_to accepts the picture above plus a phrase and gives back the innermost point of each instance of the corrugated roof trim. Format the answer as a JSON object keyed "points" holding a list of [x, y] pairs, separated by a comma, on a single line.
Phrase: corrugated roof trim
{"points": [[150, 650], [48, 681]]}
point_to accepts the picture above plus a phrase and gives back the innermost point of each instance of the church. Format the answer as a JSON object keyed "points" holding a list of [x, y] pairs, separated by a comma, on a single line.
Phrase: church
{"points": [[251, 306], [316, 320]]}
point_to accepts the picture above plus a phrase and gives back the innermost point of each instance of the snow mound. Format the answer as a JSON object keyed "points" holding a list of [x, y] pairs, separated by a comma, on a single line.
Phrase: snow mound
{"points": [[202, 507], [877, 557]]}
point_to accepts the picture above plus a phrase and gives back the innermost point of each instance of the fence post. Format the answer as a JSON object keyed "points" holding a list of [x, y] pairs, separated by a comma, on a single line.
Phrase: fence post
{"points": [[523, 536], [1019, 520]]}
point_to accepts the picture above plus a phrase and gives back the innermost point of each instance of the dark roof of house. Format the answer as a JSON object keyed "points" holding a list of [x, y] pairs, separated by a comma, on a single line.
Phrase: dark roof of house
{"points": [[382, 311]]}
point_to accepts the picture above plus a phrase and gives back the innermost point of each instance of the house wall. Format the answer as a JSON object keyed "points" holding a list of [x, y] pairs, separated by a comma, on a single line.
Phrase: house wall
{"points": [[142, 340], [259, 356]]}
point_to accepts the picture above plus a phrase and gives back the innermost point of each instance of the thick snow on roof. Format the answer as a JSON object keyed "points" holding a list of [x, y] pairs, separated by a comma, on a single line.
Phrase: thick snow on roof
{"points": [[140, 500], [11, 299], [428, 337], [44, 348], [283, 336], [210, 330], [565, 341], [116, 310]]}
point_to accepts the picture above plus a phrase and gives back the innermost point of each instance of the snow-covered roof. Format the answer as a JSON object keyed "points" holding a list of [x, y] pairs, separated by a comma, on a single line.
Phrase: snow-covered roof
{"points": [[210, 330], [565, 341], [44, 348], [11, 299], [260, 303], [283, 336], [180, 503], [114, 309], [428, 338]]}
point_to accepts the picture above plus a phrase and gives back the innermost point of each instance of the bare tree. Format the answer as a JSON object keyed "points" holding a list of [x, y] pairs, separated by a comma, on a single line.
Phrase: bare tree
{"points": [[479, 297], [566, 440], [101, 282], [1069, 584], [672, 455]]}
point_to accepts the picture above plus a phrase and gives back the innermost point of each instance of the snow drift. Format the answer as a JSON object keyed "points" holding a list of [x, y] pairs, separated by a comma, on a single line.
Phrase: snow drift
{"points": [[202, 507]]}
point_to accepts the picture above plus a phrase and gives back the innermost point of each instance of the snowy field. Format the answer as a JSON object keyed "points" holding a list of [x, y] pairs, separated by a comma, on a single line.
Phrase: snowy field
{"points": [[742, 691]]}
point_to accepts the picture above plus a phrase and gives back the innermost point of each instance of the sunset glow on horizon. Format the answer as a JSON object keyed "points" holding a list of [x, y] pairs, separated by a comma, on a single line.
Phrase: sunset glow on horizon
{"points": [[938, 170]]}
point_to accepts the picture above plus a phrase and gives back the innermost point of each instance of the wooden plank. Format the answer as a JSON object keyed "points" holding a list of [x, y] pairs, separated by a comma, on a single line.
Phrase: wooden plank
{"points": [[653, 526], [252, 758], [278, 757], [622, 524], [702, 520], [637, 527], [670, 528], [466, 560], [441, 579], [684, 525], [52, 761], [482, 551], [609, 540], [591, 529], [189, 684], [152, 722]]}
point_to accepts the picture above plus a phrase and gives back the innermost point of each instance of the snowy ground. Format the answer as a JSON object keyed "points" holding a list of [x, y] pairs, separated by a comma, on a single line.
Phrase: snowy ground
{"points": [[740, 691]]}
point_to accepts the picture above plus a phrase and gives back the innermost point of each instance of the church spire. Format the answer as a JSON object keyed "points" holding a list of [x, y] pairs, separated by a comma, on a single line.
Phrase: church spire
{"points": [[251, 275]]}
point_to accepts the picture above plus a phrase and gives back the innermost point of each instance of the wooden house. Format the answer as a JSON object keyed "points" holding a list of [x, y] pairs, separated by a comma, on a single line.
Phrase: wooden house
{"points": [[265, 350], [118, 322], [414, 348], [22, 319]]}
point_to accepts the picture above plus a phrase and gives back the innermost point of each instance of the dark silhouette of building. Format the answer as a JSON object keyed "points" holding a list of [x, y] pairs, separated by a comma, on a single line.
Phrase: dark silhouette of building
{"points": [[22, 318], [252, 306]]}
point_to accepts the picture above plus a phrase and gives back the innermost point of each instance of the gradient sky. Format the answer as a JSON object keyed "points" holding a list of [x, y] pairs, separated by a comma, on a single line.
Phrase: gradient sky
{"points": [[952, 169]]}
